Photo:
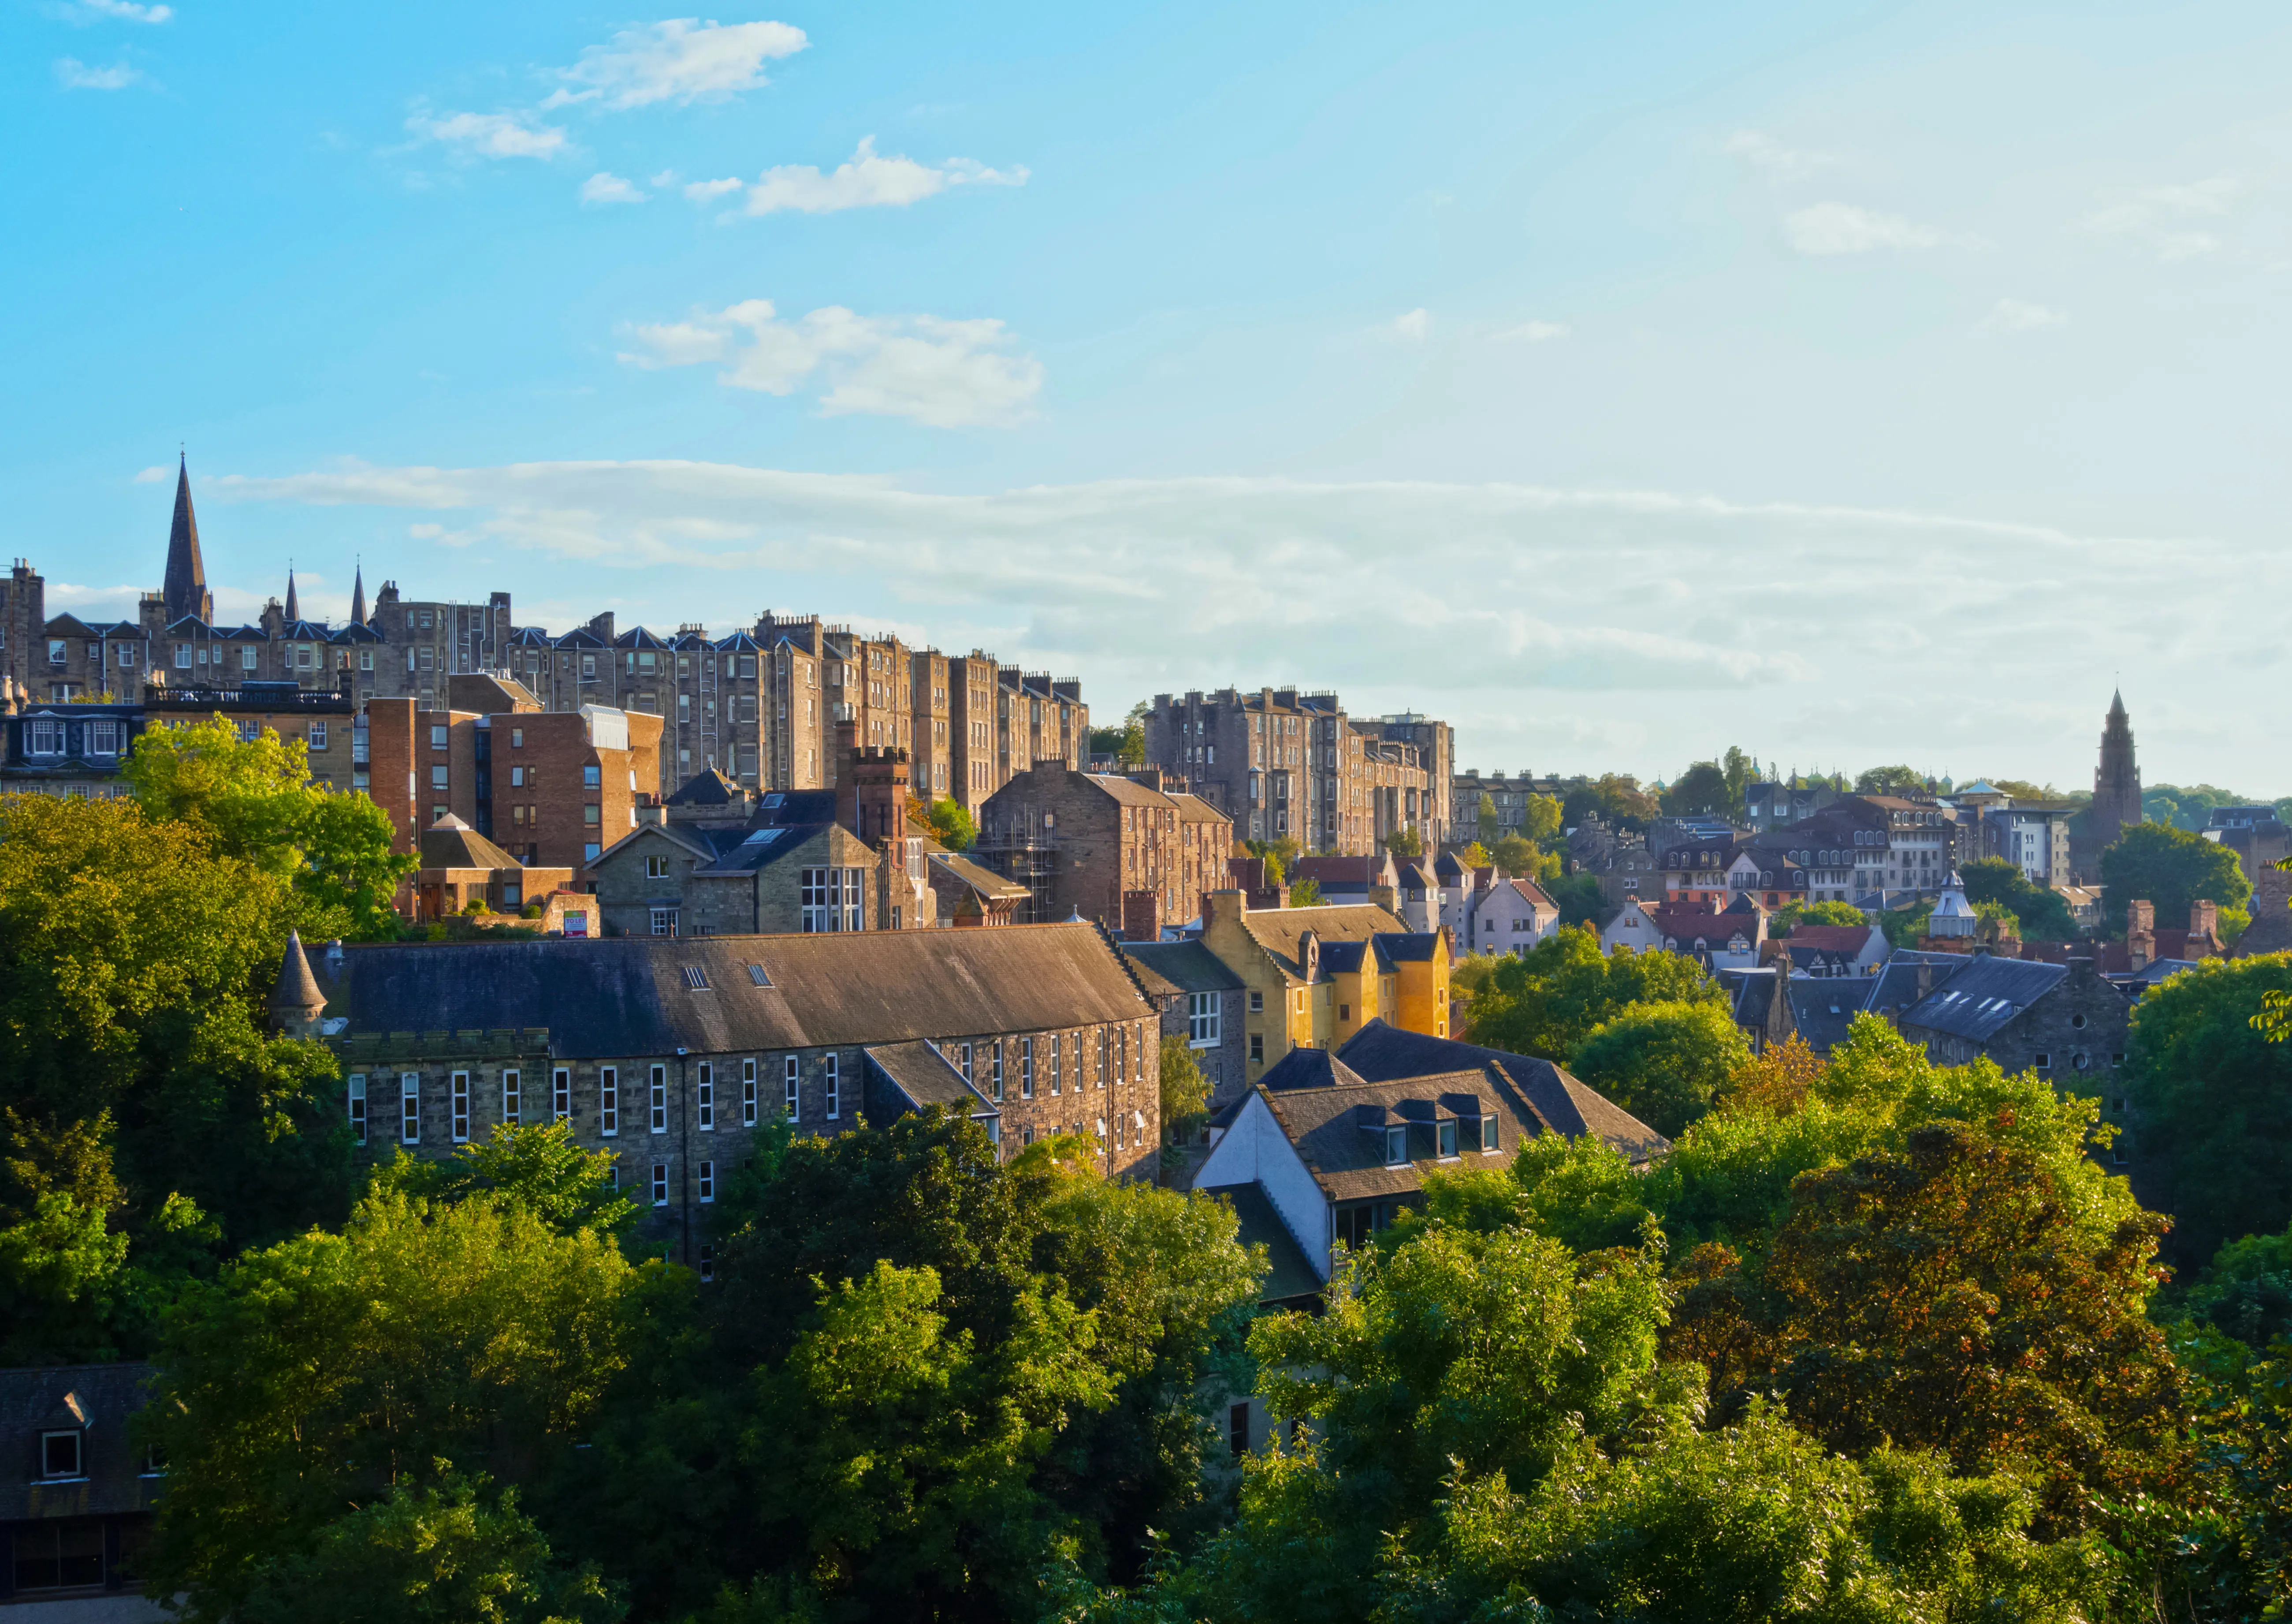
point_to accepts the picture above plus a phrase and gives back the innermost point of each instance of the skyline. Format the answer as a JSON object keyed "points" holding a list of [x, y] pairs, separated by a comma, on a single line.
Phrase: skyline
{"points": [[1616, 384]]}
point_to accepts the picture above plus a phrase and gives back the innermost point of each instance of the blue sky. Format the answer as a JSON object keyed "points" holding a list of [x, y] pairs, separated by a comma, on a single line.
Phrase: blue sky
{"points": [[1850, 382]]}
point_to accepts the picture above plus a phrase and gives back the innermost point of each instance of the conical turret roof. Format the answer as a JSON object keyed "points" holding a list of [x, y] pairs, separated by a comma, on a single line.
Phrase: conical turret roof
{"points": [[358, 595], [294, 611], [186, 585], [297, 989]]}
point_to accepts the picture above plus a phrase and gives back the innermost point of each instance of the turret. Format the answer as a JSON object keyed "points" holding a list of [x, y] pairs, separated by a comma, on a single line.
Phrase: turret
{"points": [[295, 1002]]}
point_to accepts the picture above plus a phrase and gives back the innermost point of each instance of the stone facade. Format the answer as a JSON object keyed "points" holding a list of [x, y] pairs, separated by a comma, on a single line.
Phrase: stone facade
{"points": [[1113, 849]]}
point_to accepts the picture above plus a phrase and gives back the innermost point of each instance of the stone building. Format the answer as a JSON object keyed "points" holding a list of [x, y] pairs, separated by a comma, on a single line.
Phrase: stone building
{"points": [[1202, 1002], [460, 866], [1435, 745], [1508, 793], [1112, 849], [2064, 1021], [78, 748], [78, 1499], [670, 1053], [1281, 762]]}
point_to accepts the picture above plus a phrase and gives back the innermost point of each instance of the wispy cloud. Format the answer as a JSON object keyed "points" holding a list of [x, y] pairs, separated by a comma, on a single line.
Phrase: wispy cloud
{"points": [[1841, 228], [682, 59], [1783, 162], [1534, 333], [73, 74], [602, 188], [867, 179], [2019, 316], [2166, 219], [947, 374], [116, 11], [489, 134], [1411, 327], [154, 474]]}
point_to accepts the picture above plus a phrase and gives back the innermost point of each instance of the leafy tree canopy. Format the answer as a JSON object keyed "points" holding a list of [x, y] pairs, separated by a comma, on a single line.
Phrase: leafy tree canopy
{"points": [[1663, 1060], [1404, 843], [1617, 797], [1475, 856], [1800, 912], [2170, 868], [1548, 1000], [952, 824], [1185, 1091], [1700, 791], [1890, 780], [2041, 912], [255, 800]]}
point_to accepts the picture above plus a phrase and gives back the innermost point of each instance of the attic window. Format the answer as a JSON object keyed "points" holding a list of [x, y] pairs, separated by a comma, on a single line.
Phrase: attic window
{"points": [[757, 974], [60, 1454], [1396, 1146], [696, 979]]}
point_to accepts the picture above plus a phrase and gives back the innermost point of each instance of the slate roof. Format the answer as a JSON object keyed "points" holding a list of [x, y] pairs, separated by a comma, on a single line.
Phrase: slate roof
{"points": [[922, 1077], [1169, 967], [1338, 1129], [1290, 1276], [983, 880], [706, 788], [1193, 809], [1823, 1007], [1847, 938], [451, 843], [629, 995], [1311, 1068], [1567, 1107], [1977, 1002], [1277, 929], [744, 850], [786, 806], [1343, 873], [100, 1398], [1407, 947]]}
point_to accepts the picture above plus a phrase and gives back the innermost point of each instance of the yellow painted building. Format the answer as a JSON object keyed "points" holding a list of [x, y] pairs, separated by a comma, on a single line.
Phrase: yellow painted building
{"points": [[1314, 976]]}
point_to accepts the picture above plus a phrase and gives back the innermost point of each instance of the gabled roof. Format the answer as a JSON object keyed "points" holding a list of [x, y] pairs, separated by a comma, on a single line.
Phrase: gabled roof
{"points": [[1277, 929], [1305, 1067], [1823, 1007], [580, 637], [981, 881], [1169, 967], [1291, 1276], [1345, 873], [68, 626], [741, 851], [1977, 1002], [1193, 809], [631, 995], [529, 637], [1338, 1130], [706, 788], [692, 641], [739, 642], [1560, 1101], [305, 631], [639, 637], [922, 1076], [1848, 939], [1407, 947]]}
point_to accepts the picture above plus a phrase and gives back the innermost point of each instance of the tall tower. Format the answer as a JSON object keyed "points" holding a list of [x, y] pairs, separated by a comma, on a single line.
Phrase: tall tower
{"points": [[2116, 781], [186, 586], [358, 595], [294, 609]]}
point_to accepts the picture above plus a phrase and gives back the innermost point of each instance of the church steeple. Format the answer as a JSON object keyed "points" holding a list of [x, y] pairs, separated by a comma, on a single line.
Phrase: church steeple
{"points": [[294, 613], [358, 595], [2117, 781], [185, 589]]}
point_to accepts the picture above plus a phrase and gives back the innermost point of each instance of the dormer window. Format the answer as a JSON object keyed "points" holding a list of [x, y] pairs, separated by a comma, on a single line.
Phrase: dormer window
{"points": [[1487, 1132], [1396, 1146], [60, 1454]]}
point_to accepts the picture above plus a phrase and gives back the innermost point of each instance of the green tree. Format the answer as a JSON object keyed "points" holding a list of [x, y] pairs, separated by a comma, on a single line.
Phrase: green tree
{"points": [[1890, 780], [1475, 856], [1548, 1000], [952, 824], [1185, 1091], [1617, 797], [2246, 1291], [2041, 912], [1578, 896], [1700, 791], [1740, 770], [255, 800], [1277, 854], [1404, 843], [1519, 857], [1541, 818], [1663, 1060], [1485, 814], [2172, 868], [537, 1167], [424, 1343], [1795, 913], [1305, 893], [2214, 1098]]}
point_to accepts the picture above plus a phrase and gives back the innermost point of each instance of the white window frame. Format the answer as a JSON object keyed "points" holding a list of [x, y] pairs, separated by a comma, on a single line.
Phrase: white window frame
{"points": [[657, 1099], [1205, 1019], [660, 1183], [831, 1084], [357, 1107], [995, 1074], [706, 1181], [748, 1092], [608, 1101], [410, 1108], [794, 1074], [656, 868], [1026, 1068], [512, 1087], [1055, 1047], [458, 1085], [705, 1100], [560, 1093]]}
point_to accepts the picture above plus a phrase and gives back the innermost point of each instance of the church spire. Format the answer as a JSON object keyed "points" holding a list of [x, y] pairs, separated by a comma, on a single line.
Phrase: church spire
{"points": [[186, 585], [294, 613], [358, 595]]}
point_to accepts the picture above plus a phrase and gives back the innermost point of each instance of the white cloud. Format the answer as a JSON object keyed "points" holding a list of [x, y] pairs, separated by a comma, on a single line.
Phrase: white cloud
{"points": [[682, 59], [1412, 325], [665, 179], [489, 135], [947, 374], [73, 74], [154, 474], [866, 180], [701, 191], [1841, 228], [1533, 332], [1783, 163], [118, 10], [2162, 218], [606, 188], [2018, 316]]}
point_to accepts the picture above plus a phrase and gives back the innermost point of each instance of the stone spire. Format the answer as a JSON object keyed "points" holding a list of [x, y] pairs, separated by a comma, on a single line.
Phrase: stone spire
{"points": [[358, 595], [296, 1003], [186, 586], [293, 612], [2116, 781]]}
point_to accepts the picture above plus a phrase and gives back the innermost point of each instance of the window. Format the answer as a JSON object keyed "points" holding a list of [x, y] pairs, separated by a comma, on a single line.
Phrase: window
{"points": [[317, 735], [794, 1077], [1202, 1021], [704, 1103], [1257, 1002], [43, 737], [1396, 1146], [60, 1454], [365, 659], [592, 777], [2117, 1058], [2078, 1020], [1257, 1048], [660, 1183], [591, 812], [1487, 1132], [590, 852], [358, 1108], [664, 921], [103, 739], [657, 1098], [707, 1181], [827, 904], [748, 1093], [1054, 1063], [2081, 1060], [828, 1081], [1237, 1429], [963, 1060], [695, 978], [2041, 1062], [410, 1108], [1026, 1068], [461, 1111], [437, 738], [436, 777], [656, 868], [1448, 1139], [707, 1263], [609, 1100], [517, 738], [560, 1093], [512, 1098]]}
